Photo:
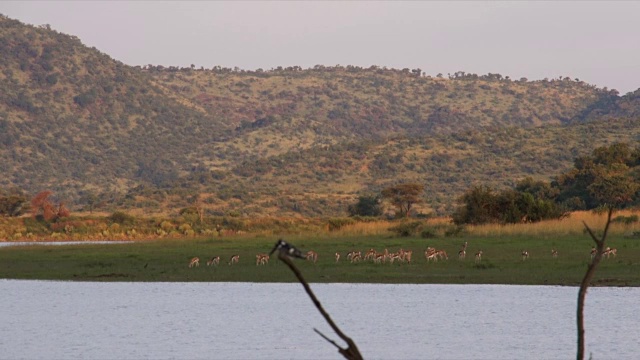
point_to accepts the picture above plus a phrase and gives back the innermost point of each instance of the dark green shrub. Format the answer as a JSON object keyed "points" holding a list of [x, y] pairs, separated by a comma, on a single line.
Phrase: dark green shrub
{"points": [[454, 230], [408, 228], [122, 218], [627, 220], [338, 223], [428, 233], [35, 226]]}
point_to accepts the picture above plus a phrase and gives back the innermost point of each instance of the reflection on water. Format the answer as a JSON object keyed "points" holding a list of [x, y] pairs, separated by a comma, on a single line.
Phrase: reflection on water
{"points": [[84, 320]]}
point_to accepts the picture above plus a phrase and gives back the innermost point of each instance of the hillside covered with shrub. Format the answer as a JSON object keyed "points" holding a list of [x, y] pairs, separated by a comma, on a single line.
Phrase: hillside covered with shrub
{"points": [[284, 141]]}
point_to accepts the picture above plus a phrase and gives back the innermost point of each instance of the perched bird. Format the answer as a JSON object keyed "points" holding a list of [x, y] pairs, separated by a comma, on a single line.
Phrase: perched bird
{"points": [[287, 249]]}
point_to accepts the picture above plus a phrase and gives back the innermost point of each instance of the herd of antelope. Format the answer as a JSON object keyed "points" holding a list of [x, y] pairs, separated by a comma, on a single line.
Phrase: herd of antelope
{"points": [[215, 261], [400, 256]]}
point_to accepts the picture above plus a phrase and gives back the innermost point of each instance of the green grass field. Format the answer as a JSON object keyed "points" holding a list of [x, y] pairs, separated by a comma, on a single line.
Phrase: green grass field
{"points": [[167, 260]]}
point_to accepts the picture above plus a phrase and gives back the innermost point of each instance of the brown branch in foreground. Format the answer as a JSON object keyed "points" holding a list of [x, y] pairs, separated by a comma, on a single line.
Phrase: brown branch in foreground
{"points": [[591, 270], [352, 352]]}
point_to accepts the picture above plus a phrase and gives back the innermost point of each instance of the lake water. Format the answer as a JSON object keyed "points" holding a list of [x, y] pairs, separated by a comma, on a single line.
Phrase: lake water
{"points": [[60, 243], [87, 320]]}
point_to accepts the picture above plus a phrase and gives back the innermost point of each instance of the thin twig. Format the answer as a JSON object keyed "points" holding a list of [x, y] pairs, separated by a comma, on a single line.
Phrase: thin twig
{"points": [[326, 338], [351, 352], [591, 270]]}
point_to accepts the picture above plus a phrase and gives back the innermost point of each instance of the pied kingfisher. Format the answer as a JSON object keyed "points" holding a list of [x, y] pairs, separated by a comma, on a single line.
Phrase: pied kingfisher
{"points": [[287, 249]]}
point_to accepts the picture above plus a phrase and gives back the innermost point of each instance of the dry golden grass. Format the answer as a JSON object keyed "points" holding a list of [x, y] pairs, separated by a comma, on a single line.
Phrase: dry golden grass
{"points": [[571, 225], [380, 227], [363, 229]]}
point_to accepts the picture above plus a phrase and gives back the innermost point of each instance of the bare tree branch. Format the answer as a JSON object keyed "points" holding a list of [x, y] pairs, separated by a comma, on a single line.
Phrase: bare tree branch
{"points": [[351, 352], [591, 270], [326, 338]]}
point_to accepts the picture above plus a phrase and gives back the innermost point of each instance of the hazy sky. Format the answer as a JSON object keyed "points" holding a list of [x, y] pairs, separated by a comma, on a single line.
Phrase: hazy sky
{"points": [[598, 42]]}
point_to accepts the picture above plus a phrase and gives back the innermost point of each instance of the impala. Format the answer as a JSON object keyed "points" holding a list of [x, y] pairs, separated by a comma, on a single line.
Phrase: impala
{"points": [[385, 255], [525, 255], [350, 255], [432, 256], [262, 259], [593, 252], [380, 258], [370, 254], [429, 252], [442, 254], [357, 256], [479, 256], [194, 262], [407, 256], [554, 253], [312, 255], [214, 261], [393, 257], [462, 254], [337, 257], [234, 259], [609, 251]]}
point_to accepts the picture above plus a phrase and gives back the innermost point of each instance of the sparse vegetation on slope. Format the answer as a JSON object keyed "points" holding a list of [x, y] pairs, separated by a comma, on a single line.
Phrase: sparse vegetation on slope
{"points": [[286, 141]]}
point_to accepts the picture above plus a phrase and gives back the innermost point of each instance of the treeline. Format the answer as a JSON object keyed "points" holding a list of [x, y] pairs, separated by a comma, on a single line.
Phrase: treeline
{"points": [[609, 176], [373, 69]]}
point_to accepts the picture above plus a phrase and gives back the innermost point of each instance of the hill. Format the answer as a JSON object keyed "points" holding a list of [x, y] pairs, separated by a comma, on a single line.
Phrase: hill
{"points": [[282, 141]]}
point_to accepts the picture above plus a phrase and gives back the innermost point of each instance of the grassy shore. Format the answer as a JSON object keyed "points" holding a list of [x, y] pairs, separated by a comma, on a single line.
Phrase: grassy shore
{"points": [[167, 260]]}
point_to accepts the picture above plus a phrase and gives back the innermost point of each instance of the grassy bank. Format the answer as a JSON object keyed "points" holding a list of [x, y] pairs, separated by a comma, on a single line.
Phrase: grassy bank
{"points": [[167, 260]]}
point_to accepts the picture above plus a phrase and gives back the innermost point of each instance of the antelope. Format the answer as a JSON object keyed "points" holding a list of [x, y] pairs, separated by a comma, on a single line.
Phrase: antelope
{"points": [[194, 262], [337, 257], [462, 254], [429, 252], [594, 251], [393, 257], [370, 254], [609, 251], [401, 254], [479, 256], [214, 261], [234, 259], [442, 254], [350, 255], [379, 258], [262, 259], [312, 255], [407, 256], [432, 256], [357, 256], [385, 255], [554, 253], [525, 255]]}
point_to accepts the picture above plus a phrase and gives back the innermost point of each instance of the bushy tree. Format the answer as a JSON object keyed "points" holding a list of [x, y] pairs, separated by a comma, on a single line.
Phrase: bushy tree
{"points": [[13, 203], [404, 196], [583, 187], [477, 206], [367, 205], [482, 205]]}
